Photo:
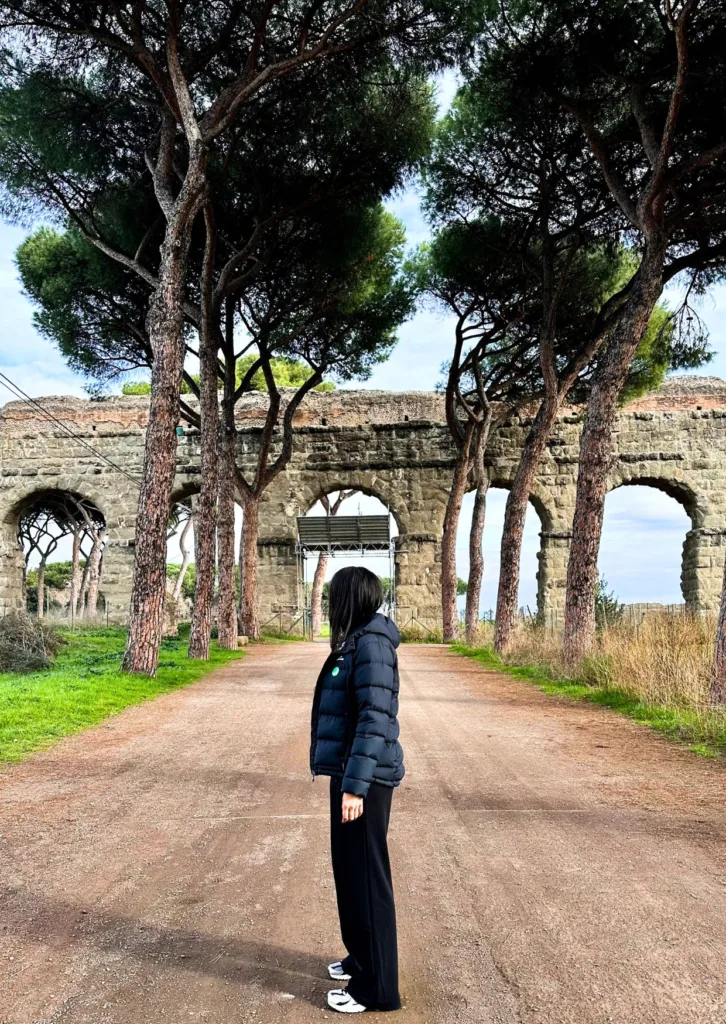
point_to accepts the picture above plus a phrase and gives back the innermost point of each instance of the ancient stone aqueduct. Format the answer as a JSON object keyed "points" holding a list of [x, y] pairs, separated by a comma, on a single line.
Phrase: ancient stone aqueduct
{"points": [[391, 445]]}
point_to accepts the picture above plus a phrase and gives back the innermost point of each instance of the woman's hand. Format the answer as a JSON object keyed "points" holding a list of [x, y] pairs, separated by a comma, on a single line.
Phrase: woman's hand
{"points": [[352, 807]]}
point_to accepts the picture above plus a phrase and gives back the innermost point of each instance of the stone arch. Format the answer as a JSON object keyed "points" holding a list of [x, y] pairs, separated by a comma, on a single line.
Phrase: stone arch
{"points": [[416, 497], [116, 503], [20, 503], [700, 587], [22, 498], [675, 488], [381, 561], [187, 489], [188, 485], [540, 499], [554, 545], [364, 483], [396, 445]]}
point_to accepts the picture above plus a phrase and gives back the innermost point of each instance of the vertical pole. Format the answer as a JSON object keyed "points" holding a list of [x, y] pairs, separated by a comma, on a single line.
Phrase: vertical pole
{"points": [[306, 614], [392, 576], [299, 574]]}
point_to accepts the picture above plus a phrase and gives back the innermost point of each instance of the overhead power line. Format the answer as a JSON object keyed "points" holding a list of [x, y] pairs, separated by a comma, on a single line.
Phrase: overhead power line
{"points": [[15, 389], [18, 393]]}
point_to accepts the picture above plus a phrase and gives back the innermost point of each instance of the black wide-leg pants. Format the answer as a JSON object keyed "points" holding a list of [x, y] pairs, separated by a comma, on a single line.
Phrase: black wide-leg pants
{"points": [[364, 889]]}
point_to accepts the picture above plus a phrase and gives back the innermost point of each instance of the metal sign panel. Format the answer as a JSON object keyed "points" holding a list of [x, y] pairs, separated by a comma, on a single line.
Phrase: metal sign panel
{"points": [[344, 533]]}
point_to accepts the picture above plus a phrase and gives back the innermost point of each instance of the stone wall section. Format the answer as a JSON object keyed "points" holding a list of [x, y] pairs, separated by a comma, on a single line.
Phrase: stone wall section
{"points": [[394, 446]]}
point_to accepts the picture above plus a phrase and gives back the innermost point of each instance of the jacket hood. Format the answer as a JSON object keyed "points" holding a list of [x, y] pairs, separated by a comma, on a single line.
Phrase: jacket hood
{"points": [[378, 624]]}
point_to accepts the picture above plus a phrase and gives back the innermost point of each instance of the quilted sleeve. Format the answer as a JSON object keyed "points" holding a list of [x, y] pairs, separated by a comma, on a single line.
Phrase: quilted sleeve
{"points": [[373, 680]]}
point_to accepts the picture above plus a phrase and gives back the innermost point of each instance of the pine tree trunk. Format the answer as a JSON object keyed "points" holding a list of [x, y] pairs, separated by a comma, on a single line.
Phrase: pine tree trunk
{"points": [[718, 670], [227, 610], [165, 329], [94, 576], [448, 540], [206, 521], [75, 573], [316, 597], [476, 562], [515, 514], [596, 456], [249, 619], [476, 534], [83, 593], [241, 574], [41, 588], [205, 525]]}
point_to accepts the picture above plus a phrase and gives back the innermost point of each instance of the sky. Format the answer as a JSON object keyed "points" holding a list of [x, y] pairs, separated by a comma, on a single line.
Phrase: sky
{"points": [[644, 529]]}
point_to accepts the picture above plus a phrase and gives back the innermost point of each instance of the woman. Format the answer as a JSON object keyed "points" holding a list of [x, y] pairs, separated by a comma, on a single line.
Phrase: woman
{"points": [[354, 740]]}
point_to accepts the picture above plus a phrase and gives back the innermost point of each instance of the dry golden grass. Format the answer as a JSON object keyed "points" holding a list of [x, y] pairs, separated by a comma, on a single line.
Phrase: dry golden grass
{"points": [[665, 659], [657, 671]]}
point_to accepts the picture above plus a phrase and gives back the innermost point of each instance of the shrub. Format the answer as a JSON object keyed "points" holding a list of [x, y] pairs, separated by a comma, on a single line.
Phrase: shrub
{"points": [[608, 610], [26, 643]]}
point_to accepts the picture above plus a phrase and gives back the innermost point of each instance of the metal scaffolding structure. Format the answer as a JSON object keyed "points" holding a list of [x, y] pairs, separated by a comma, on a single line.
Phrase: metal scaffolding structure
{"points": [[336, 535]]}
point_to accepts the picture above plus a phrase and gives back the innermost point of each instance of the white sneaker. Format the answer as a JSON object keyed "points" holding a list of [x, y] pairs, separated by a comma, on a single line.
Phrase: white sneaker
{"points": [[336, 971], [338, 999]]}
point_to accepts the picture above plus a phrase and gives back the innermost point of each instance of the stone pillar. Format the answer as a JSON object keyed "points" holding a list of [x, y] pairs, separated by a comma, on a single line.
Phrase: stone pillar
{"points": [[702, 572], [553, 556], [117, 568], [116, 579], [278, 600], [11, 570], [418, 580]]}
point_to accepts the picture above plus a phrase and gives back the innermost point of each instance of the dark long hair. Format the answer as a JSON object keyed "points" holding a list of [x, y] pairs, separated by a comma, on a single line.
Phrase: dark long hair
{"points": [[354, 597]]}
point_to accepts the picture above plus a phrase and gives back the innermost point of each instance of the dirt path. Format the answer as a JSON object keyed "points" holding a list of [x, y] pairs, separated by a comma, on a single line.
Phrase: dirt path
{"points": [[553, 862]]}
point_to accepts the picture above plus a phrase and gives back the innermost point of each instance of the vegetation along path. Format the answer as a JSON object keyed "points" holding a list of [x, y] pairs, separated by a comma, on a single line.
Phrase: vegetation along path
{"points": [[554, 862]]}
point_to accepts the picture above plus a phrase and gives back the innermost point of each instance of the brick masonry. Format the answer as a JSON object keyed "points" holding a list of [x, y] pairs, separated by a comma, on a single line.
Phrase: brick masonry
{"points": [[394, 446]]}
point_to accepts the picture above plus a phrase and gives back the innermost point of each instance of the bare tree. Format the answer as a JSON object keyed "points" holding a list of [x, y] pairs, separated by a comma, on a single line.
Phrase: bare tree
{"points": [[185, 519], [39, 530], [49, 519], [93, 529], [316, 595]]}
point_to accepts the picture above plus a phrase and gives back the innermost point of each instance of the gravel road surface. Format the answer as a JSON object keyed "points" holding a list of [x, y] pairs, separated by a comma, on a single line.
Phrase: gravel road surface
{"points": [[554, 863]]}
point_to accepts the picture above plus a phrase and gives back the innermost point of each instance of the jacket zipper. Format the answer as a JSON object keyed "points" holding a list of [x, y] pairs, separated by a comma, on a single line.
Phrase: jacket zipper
{"points": [[316, 706]]}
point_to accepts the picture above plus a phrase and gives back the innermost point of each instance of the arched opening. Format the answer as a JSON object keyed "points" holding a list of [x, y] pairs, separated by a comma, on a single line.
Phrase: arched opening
{"points": [[491, 546], [62, 535], [645, 530], [318, 567], [180, 552]]}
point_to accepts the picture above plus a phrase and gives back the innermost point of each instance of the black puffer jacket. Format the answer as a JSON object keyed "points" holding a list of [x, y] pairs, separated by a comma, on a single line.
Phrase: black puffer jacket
{"points": [[354, 733]]}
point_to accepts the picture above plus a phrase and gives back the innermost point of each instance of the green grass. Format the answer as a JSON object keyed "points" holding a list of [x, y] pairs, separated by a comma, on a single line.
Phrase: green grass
{"points": [[84, 686], [703, 732]]}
